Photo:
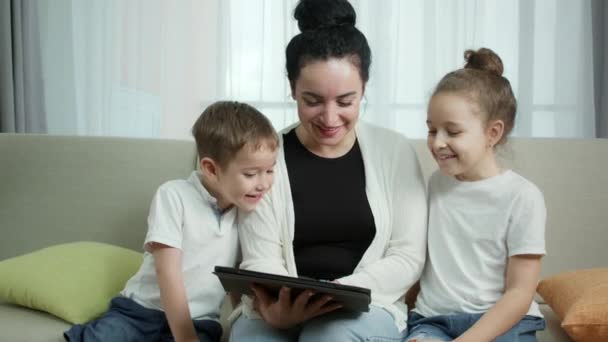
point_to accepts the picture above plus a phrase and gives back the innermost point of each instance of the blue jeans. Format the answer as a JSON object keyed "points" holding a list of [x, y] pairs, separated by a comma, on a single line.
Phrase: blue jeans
{"points": [[126, 320], [377, 325], [447, 328]]}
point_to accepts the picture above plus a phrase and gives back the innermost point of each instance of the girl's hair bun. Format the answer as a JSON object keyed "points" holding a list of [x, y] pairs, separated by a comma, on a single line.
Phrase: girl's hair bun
{"points": [[485, 60], [323, 14]]}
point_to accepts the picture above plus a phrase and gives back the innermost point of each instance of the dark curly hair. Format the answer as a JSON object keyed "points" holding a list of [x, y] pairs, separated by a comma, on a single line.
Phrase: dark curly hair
{"points": [[327, 31]]}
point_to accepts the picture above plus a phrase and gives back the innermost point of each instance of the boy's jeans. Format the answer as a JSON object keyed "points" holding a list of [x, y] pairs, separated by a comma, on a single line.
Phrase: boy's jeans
{"points": [[126, 320]]}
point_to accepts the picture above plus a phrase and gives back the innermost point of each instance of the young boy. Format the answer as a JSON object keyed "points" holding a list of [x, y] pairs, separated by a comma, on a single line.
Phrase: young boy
{"points": [[192, 228]]}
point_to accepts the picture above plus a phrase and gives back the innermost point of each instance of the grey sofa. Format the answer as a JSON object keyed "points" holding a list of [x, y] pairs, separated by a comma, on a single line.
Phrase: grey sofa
{"points": [[57, 189]]}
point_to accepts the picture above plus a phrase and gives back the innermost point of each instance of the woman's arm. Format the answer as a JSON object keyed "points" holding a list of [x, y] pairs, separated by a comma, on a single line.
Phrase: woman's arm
{"points": [[260, 236], [403, 259], [167, 261], [262, 249], [522, 279], [262, 232]]}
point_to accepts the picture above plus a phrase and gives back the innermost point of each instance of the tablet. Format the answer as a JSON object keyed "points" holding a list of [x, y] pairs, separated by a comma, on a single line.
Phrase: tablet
{"points": [[236, 280]]}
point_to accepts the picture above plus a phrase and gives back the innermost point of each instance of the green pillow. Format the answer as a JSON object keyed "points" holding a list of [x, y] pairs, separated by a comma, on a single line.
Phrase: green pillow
{"points": [[74, 281]]}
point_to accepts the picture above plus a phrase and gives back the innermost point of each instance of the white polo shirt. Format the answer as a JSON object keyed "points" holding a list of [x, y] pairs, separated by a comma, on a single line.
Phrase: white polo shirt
{"points": [[184, 215], [474, 227]]}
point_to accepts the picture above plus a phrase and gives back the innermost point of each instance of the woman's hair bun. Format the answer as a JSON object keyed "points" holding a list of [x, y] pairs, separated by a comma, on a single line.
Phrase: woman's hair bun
{"points": [[484, 59], [323, 14]]}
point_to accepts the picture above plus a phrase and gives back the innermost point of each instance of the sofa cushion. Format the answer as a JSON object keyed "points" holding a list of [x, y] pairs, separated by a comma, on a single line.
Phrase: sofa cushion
{"points": [[18, 323], [73, 281], [580, 300]]}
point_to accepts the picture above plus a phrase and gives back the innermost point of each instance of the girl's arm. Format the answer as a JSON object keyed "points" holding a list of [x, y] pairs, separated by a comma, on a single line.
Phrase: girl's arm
{"points": [[167, 261], [522, 279]]}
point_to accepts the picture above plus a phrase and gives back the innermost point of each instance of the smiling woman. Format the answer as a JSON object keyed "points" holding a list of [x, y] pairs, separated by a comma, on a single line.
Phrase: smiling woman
{"points": [[348, 204], [328, 94]]}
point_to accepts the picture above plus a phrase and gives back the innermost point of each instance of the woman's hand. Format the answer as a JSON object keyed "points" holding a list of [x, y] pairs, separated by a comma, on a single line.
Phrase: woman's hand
{"points": [[282, 313]]}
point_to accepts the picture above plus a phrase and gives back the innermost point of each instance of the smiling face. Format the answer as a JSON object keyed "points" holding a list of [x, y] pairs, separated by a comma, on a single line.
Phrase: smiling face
{"points": [[244, 180], [459, 139], [328, 94]]}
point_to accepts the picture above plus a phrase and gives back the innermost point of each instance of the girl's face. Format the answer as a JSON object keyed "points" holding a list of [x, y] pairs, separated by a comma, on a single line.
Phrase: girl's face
{"points": [[328, 94], [459, 139]]}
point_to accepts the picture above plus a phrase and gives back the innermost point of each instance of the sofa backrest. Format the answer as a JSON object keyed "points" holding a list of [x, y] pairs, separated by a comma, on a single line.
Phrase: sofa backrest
{"points": [[56, 189]]}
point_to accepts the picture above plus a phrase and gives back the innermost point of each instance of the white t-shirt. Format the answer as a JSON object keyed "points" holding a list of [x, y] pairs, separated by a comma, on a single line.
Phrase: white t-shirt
{"points": [[184, 215], [474, 227]]}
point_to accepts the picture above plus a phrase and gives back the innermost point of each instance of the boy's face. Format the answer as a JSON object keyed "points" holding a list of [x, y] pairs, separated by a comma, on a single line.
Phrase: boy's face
{"points": [[245, 179]]}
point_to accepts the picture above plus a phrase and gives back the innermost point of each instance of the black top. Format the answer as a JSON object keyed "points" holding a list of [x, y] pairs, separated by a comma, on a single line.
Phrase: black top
{"points": [[334, 224]]}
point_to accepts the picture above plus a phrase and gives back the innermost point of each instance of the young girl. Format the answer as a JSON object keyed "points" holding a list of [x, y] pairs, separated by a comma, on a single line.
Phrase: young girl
{"points": [[486, 224]]}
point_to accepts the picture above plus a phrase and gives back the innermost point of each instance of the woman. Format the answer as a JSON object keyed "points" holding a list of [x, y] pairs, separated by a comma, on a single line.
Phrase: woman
{"points": [[348, 204]]}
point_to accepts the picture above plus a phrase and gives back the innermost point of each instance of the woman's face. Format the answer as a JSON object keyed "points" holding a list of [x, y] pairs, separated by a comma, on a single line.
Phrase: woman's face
{"points": [[328, 94]]}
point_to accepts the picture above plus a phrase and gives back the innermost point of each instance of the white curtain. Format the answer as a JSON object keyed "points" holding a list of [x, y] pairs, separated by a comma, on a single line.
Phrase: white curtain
{"points": [[148, 67]]}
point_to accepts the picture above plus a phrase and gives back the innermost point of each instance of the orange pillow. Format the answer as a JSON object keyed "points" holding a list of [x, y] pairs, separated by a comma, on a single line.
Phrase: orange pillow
{"points": [[580, 300]]}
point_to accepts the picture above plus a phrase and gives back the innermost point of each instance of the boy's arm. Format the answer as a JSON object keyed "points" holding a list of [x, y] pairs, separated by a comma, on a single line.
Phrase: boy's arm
{"points": [[167, 261], [522, 279]]}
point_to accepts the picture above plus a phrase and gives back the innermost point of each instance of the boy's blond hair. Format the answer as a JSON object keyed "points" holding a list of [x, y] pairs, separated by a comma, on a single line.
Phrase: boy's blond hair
{"points": [[227, 126]]}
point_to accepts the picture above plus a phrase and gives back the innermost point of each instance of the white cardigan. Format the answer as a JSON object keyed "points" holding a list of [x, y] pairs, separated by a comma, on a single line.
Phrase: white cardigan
{"points": [[396, 193]]}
